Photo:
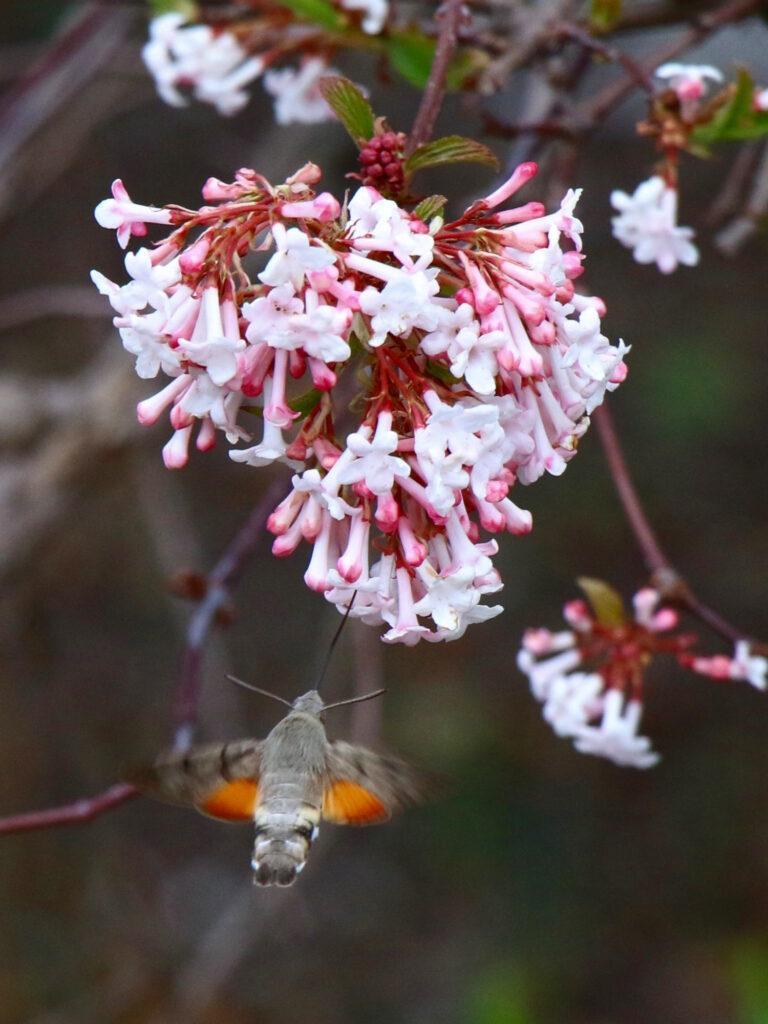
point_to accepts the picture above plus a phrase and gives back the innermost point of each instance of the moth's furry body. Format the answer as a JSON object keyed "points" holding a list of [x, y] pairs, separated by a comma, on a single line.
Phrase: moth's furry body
{"points": [[285, 784], [293, 766]]}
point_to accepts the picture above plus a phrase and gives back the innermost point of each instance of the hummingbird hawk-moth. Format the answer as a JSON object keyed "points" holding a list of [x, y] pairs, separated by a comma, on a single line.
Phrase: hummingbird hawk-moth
{"points": [[285, 784]]}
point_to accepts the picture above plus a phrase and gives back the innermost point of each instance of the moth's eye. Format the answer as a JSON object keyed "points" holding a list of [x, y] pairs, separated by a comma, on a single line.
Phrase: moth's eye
{"points": [[305, 832]]}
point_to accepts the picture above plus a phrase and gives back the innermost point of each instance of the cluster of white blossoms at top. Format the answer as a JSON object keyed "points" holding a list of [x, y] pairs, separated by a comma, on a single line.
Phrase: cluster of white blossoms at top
{"points": [[589, 677], [470, 360], [646, 221], [214, 66]]}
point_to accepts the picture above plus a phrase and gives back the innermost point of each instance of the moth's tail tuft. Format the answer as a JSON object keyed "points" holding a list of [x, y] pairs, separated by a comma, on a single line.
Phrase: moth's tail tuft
{"points": [[276, 869]]}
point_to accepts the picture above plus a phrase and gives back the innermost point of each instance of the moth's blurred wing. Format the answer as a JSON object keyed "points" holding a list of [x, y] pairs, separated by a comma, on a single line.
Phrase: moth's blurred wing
{"points": [[221, 780], [363, 788]]}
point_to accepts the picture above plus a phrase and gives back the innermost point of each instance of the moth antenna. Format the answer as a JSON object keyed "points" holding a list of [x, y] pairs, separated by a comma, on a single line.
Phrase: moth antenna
{"points": [[333, 643], [354, 700], [257, 689]]}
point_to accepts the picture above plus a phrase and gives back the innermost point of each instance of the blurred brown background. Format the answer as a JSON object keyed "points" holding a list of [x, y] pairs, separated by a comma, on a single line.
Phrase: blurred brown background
{"points": [[544, 887]]}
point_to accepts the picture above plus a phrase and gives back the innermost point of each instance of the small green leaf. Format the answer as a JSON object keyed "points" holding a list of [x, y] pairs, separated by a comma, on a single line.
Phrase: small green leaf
{"points": [[737, 120], [452, 149], [411, 55], [350, 106], [320, 12], [306, 403], [430, 207], [441, 372], [604, 14], [605, 601], [185, 7]]}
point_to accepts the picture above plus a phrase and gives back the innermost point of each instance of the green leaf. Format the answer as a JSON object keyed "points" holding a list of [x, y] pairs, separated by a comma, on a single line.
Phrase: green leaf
{"points": [[605, 601], [441, 372], [306, 403], [603, 14], [737, 120], [350, 106], [411, 55], [430, 207], [318, 11], [451, 149], [185, 7]]}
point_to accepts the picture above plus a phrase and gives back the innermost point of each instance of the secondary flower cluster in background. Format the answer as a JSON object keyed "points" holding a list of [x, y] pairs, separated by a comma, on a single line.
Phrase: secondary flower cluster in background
{"points": [[589, 677], [477, 365]]}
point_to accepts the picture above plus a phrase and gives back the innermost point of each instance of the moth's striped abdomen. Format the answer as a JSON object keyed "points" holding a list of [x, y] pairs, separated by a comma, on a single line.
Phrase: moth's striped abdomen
{"points": [[285, 828]]}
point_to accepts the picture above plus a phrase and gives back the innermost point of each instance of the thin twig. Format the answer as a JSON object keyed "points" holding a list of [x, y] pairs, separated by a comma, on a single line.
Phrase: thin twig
{"points": [[220, 580], [223, 576], [703, 26], [450, 16], [640, 75], [664, 576], [653, 556], [78, 813]]}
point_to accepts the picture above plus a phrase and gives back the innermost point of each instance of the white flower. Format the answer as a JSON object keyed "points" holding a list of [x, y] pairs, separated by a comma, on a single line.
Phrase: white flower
{"points": [[752, 668], [472, 355], [616, 737], [572, 701], [466, 429], [543, 674], [374, 462], [209, 346], [150, 281], [141, 337], [213, 64], [647, 224], [294, 255], [272, 316], [321, 329], [689, 80], [448, 595], [374, 13], [298, 99], [124, 300], [403, 303], [124, 216]]}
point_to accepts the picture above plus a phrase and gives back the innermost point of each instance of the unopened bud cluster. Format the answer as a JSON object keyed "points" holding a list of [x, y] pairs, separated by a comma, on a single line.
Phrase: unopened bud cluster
{"points": [[470, 361]]}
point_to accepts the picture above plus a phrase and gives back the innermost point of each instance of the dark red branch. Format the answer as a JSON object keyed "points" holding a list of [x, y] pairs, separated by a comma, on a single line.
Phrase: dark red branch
{"points": [[653, 556], [664, 576], [449, 17], [78, 813], [221, 579]]}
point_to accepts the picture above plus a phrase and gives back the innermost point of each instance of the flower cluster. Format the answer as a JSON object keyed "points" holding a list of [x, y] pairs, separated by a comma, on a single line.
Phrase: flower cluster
{"points": [[477, 365], [216, 65], [589, 677], [647, 224], [647, 219]]}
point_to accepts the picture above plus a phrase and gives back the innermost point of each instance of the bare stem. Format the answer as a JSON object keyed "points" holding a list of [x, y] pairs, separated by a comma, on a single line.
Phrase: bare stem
{"points": [[78, 813], [653, 556], [664, 576], [449, 15], [186, 697], [225, 573]]}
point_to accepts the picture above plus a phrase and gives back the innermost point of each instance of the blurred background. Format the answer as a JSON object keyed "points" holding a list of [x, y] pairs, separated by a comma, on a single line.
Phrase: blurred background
{"points": [[542, 887]]}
